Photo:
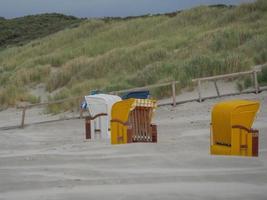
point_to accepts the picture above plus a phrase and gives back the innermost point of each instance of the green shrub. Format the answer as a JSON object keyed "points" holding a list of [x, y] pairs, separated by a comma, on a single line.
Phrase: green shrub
{"points": [[63, 94], [33, 99], [229, 39], [152, 74], [21, 30], [201, 66], [10, 95], [244, 83], [58, 79], [261, 57], [69, 105], [33, 75], [62, 106], [262, 77], [161, 92], [117, 86], [261, 5]]}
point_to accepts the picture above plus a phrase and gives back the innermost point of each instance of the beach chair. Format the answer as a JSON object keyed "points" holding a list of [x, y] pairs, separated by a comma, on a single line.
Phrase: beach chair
{"points": [[231, 132], [97, 124], [131, 121]]}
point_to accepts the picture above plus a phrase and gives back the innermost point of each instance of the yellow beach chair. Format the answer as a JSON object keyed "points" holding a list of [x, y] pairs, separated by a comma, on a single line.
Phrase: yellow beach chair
{"points": [[231, 132], [131, 121]]}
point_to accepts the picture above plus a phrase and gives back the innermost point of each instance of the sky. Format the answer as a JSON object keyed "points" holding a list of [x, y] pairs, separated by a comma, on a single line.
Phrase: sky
{"points": [[101, 8]]}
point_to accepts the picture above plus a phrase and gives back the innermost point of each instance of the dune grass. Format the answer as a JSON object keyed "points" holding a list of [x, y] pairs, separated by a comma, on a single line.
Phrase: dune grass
{"points": [[118, 54]]}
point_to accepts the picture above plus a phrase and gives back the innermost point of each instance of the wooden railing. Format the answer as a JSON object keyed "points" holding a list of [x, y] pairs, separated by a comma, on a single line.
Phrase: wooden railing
{"points": [[172, 84], [25, 107], [227, 76], [148, 87]]}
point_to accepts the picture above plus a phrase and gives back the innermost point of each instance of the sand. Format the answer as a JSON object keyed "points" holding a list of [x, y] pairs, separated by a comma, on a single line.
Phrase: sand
{"points": [[53, 161]]}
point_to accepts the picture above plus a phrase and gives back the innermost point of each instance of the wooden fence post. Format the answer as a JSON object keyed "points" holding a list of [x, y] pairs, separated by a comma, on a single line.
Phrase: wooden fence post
{"points": [[173, 94], [199, 90], [23, 117], [217, 89], [256, 84]]}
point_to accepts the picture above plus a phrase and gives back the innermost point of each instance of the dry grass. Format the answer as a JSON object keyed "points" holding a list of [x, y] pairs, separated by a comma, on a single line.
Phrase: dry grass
{"points": [[117, 54]]}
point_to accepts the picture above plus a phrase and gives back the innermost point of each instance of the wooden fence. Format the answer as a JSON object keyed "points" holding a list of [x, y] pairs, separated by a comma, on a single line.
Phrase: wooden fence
{"points": [[253, 74], [172, 85], [24, 108], [148, 87]]}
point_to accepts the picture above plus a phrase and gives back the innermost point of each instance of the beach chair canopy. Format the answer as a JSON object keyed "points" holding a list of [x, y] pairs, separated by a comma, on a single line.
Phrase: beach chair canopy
{"points": [[101, 103], [137, 95], [229, 114], [99, 107], [84, 105]]}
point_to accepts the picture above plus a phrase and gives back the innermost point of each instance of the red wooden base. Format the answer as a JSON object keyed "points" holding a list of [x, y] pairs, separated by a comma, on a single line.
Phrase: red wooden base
{"points": [[255, 144], [87, 128], [154, 139], [154, 133]]}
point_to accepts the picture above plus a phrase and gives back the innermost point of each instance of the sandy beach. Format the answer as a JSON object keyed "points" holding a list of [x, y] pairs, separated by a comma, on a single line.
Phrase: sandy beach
{"points": [[53, 161]]}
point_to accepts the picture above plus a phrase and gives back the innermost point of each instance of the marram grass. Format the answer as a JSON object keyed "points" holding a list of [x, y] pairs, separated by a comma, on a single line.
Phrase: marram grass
{"points": [[119, 54]]}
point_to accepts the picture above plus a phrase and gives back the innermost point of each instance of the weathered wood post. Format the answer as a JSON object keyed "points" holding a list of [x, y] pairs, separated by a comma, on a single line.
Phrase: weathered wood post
{"points": [[173, 94], [199, 90], [217, 89], [23, 117], [88, 128], [256, 84]]}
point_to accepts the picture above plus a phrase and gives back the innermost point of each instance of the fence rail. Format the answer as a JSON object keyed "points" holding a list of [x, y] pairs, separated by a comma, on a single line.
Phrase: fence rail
{"points": [[48, 103], [232, 75], [172, 85], [210, 78], [145, 87]]}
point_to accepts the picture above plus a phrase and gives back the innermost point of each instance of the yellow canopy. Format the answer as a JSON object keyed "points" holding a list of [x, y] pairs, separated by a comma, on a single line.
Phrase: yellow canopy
{"points": [[122, 109], [232, 113], [120, 116]]}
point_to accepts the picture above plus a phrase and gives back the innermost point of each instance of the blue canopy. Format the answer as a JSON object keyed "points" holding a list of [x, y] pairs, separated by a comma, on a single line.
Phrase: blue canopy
{"points": [[137, 95]]}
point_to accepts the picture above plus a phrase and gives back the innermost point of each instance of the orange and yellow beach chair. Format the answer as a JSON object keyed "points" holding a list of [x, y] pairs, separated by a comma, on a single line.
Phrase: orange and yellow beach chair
{"points": [[131, 121]]}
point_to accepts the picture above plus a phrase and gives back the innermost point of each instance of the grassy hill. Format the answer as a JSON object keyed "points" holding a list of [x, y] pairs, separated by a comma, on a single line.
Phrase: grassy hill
{"points": [[19, 31], [114, 54]]}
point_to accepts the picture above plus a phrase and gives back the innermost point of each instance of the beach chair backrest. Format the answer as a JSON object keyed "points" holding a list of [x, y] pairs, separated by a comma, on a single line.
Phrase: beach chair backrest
{"points": [[131, 121], [99, 107]]}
